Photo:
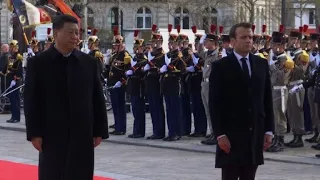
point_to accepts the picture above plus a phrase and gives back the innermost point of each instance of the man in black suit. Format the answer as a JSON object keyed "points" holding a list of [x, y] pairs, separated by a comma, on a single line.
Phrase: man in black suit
{"points": [[241, 107], [64, 106]]}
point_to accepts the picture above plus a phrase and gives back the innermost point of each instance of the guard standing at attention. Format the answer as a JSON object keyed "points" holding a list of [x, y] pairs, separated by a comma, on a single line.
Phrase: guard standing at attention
{"points": [[93, 45], [120, 63], [156, 60], [49, 40], [194, 79], [15, 76], [135, 87], [210, 41], [172, 89]]}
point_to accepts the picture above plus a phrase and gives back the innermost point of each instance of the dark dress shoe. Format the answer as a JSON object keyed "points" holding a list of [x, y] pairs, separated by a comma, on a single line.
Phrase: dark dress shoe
{"points": [[209, 136], [172, 138], [318, 155], [135, 136], [316, 147], [155, 137], [197, 135], [9, 121], [112, 126], [15, 121], [117, 133], [210, 141]]}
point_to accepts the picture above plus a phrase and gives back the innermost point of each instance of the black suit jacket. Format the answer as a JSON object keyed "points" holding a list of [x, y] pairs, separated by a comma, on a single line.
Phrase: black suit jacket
{"points": [[241, 109]]}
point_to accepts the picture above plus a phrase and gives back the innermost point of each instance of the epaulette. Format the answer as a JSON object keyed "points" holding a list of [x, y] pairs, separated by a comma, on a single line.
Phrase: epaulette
{"points": [[98, 54], [19, 57]]}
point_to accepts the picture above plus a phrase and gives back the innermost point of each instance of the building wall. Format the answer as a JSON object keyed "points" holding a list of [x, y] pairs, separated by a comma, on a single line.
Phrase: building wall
{"points": [[5, 26]]}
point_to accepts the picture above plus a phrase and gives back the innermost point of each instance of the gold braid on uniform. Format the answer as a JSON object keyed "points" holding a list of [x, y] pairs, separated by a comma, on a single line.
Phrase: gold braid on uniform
{"points": [[176, 60], [99, 55]]}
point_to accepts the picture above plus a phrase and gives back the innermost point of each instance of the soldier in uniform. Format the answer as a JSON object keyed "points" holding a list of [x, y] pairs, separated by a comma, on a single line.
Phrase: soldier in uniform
{"points": [[194, 79], [135, 87], [296, 99], [119, 64], [280, 70], [34, 44], [49, 40], [14, 76], [185, 97], [93, 45], [226, 47], [156, 60], [172, 89], [209, 56], [313, 64]]}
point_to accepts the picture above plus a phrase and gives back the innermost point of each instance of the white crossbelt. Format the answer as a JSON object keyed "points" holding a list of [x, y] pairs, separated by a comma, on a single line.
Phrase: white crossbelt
{"points": [[293, 83], [205, 79], [282, 89]]}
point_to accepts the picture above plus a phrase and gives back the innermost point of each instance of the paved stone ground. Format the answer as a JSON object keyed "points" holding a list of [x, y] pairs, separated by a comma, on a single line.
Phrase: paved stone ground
{"points": [[124, 162], [303, 155]]}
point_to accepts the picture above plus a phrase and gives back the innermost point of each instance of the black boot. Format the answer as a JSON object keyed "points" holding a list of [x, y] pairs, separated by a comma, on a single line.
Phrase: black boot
{"points": [[316, 147], [297, 142], [274, 143], [314, 138], [210, 141], [290, 142], [279, 146]]}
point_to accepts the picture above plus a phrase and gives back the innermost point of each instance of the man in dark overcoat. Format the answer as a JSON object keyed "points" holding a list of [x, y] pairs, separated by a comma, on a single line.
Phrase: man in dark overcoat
{"points": [[64, 106], [241, 107]]}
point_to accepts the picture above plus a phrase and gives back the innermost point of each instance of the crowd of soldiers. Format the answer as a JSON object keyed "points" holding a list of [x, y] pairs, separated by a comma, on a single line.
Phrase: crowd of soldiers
{"points": [[176, 83]]}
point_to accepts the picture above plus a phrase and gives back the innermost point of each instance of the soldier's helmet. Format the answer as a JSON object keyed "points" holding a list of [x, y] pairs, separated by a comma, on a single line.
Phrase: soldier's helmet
{"points": [[33, 40], [14, 43], [138, 42], [117, 39], [197, 36], [93, 38], [50, 38], [154, 35]]}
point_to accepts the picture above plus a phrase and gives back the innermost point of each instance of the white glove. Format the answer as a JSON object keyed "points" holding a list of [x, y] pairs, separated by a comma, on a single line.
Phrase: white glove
{"points": [[202, 39], [129, 72], [117, 85], [296, 89], [190, 69], [163, 69], [150, 57], [30, 51], [13, 83], [146, 67]]}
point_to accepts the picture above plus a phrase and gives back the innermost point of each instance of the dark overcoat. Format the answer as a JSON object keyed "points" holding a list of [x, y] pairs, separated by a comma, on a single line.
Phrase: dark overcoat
{"points": [[64, 105], [241, 109]]}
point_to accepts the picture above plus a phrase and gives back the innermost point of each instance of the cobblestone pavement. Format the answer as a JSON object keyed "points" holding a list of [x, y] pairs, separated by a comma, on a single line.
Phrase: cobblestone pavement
{"points": [[125, 162], [303, 155]]}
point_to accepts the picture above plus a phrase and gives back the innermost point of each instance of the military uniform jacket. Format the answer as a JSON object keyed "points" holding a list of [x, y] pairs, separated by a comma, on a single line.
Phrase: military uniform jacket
{"points": [[314, 82], [135, 83], [172, 79], [278, 83], [195, 78], [120, 63], [14, 67], [94, 53], [152, 77], [209, 57]]}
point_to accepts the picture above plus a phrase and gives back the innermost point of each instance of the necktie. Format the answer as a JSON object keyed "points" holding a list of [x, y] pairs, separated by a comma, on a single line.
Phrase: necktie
{"points": [[245, 67]]}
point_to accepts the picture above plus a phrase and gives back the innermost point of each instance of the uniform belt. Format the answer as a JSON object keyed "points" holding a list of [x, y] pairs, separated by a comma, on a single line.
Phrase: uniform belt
{"points": [[279, 87], [205, 79], [282, 89], [296, 82]]}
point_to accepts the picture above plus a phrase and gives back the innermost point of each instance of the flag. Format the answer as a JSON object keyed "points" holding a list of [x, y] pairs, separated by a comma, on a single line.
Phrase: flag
{"points": [[44, 16], [28, 14]]}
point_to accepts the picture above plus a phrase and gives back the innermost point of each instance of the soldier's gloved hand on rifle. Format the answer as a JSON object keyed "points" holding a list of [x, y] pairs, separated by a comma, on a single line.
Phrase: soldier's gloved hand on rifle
{"points": [[296, 89], [30, 51], [163, 69], [146, 67], [117, 85], [202, 39], [13, 83], [129, 72], [190, 69]]}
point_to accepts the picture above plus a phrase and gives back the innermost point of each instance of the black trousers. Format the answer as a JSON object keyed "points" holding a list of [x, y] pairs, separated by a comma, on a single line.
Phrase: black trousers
{"points": [[239, 172]]}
